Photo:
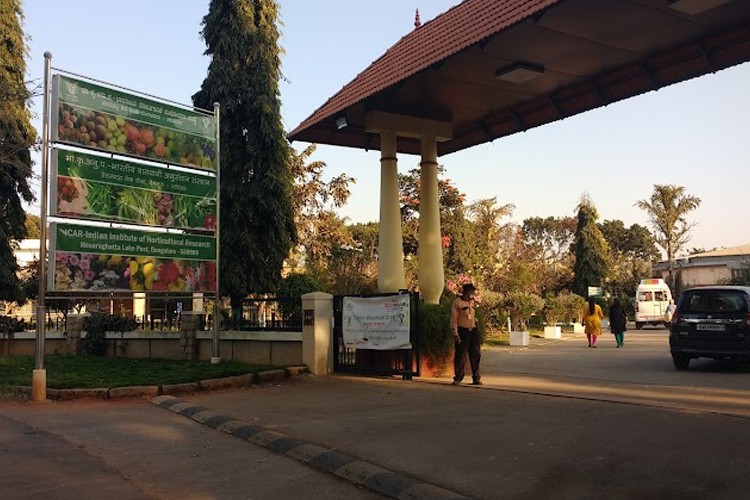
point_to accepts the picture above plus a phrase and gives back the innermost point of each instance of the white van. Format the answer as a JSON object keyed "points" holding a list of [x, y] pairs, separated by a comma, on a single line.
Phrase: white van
{"points": [[651, 300]]}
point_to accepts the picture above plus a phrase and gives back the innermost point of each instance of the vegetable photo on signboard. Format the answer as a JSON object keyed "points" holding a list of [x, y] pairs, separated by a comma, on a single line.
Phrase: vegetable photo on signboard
{"points": [[95, 187]]}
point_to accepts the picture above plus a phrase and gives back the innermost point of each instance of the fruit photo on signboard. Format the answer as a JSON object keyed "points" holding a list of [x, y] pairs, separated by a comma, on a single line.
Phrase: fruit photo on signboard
{"points": [[116, 134], [72, 194]]}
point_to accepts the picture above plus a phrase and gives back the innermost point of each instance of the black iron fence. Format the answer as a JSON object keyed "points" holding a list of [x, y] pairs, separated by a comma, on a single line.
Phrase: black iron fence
{"points": [[267, 314]]}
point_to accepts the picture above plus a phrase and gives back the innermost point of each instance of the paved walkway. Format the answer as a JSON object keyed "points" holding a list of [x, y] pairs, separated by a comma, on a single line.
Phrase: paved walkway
{"points": [[554, 421]]}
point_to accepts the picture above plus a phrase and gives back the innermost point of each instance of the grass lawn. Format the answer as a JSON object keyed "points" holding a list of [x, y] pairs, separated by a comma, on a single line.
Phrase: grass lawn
{"points": [[68, 372]]}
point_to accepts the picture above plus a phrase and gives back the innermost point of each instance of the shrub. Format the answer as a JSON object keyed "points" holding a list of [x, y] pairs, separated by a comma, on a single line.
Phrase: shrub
{"points": [[435, 335], [291, 289], [10, 325], [521, 306], [554, 309], [97, 325], [573, 305]]}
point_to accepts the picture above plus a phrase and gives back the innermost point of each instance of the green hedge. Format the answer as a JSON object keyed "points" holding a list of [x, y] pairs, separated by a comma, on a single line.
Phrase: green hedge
{"points": [[436, 337]]}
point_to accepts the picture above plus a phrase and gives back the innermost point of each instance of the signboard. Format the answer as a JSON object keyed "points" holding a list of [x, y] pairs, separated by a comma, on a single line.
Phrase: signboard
{"points": [[113, 189], [595, 291], [380, 323], [94, 116], [94, 258]]}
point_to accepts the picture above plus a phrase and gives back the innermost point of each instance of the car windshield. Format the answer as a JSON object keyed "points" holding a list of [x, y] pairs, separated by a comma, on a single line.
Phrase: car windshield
{"points": [[705, 301]]}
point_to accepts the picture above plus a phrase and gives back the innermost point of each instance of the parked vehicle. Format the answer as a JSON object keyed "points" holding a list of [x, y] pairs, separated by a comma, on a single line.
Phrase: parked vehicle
{"points": [[651, 300], [711, 322]]}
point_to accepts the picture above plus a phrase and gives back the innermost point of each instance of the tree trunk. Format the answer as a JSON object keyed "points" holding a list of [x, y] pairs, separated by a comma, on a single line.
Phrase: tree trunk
{"points": [[236, 304]]}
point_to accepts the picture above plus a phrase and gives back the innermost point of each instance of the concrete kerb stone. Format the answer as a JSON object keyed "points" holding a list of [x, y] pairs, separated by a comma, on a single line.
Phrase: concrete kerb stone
{"points": [[227, 382], [180, 388], [97, 393], [134, 391], [230, 426], [151, 391], [332, 461], [271, 375], [202, 416]]}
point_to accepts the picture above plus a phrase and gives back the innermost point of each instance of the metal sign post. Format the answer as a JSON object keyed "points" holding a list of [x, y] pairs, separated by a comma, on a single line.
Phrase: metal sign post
{"points": [[215, 354], [39, 375]]}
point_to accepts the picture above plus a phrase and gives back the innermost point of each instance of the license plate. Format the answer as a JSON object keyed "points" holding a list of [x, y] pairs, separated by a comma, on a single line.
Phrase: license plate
{"points": [[709, 327]]}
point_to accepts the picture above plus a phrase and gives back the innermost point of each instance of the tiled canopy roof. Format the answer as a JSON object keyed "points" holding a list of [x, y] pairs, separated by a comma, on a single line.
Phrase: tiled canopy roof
{"points": [[587, 54], [462, 26]]}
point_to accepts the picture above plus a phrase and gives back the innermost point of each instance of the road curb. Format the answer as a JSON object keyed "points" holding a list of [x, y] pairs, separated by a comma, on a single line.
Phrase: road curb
{"points": [[246, 380], [355, 470]]}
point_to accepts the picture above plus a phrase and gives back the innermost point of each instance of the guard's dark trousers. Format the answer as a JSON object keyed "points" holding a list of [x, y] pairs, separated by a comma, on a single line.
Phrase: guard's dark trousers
{"points": [[469, 343]]}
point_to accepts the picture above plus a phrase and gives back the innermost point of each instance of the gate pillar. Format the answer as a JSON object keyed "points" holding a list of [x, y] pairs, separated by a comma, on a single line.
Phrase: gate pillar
{"points": [[317, 332]]}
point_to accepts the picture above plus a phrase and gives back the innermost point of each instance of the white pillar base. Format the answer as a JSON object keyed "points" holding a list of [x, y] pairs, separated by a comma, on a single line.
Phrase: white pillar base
{"points": [[519, 338], [215, 360], [39, 385], [317, 332]]}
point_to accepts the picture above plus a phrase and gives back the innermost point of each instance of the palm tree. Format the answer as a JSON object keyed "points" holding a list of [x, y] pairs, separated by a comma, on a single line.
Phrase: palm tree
{"points": [[485, 214], [667, 210]]}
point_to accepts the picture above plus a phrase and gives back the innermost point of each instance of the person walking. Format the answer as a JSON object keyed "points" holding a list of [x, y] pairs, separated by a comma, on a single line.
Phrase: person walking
{"points": [[592, 320], [669, 312], [618, 321], [466, 335]]}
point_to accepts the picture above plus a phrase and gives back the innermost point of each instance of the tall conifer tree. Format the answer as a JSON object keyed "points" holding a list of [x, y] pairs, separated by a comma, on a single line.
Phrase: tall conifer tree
{"points": [[257, 217], [590, 249], [17, 137]]}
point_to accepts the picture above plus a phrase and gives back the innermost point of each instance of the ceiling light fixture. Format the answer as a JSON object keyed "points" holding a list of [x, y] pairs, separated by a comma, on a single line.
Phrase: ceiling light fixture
{"points": [[695, 7], [341, 123], [519, 73]]}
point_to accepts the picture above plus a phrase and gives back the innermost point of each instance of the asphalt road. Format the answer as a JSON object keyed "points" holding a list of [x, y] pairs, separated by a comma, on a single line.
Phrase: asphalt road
{"points": [[556, 420]]}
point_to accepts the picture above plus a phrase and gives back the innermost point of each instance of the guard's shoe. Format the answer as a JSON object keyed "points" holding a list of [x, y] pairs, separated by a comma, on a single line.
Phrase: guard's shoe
{"points": [[456, 382], [477, 382]]}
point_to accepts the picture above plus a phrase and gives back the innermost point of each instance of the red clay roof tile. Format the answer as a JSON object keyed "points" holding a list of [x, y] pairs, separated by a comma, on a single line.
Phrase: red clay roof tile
{"points": [[456, 29]]}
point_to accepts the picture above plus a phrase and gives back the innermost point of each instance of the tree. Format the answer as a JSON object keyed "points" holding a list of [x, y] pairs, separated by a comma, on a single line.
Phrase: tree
{"points": [[457, 232], [257, 213], [521, 306], [485, 215], [33, 225], [632, 255], [590, 249], [319, 229], [449, 197], [17, 137], [547, 247], [667, 210]]}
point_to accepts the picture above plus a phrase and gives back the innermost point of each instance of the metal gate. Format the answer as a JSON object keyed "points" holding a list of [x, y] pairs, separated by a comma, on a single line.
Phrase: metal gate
{"points": [[404, 362]]}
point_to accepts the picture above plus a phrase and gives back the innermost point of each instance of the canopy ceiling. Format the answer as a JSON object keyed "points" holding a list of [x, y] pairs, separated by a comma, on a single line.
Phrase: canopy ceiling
{"points": [[579, 54]]}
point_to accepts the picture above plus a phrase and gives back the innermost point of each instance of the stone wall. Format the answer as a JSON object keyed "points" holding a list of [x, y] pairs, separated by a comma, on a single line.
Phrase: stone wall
{"points": [[262, 348]]}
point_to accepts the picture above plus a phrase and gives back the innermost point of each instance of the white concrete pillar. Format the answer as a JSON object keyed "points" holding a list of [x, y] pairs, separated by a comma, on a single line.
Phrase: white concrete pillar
{"points": [[390, 245], [139, 304], [317, 332], [430, 252]]}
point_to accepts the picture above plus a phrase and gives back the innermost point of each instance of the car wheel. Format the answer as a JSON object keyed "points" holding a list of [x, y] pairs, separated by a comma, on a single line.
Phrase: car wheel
{"points": [[681, 362], [638, 325]]}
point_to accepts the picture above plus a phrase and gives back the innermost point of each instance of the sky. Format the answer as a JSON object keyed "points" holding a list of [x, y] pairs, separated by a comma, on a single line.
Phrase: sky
{"points": [[693, 134]]}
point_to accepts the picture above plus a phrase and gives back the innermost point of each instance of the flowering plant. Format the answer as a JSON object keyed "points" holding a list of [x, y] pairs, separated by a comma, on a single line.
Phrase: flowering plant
{"points": [[455, 286]]}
